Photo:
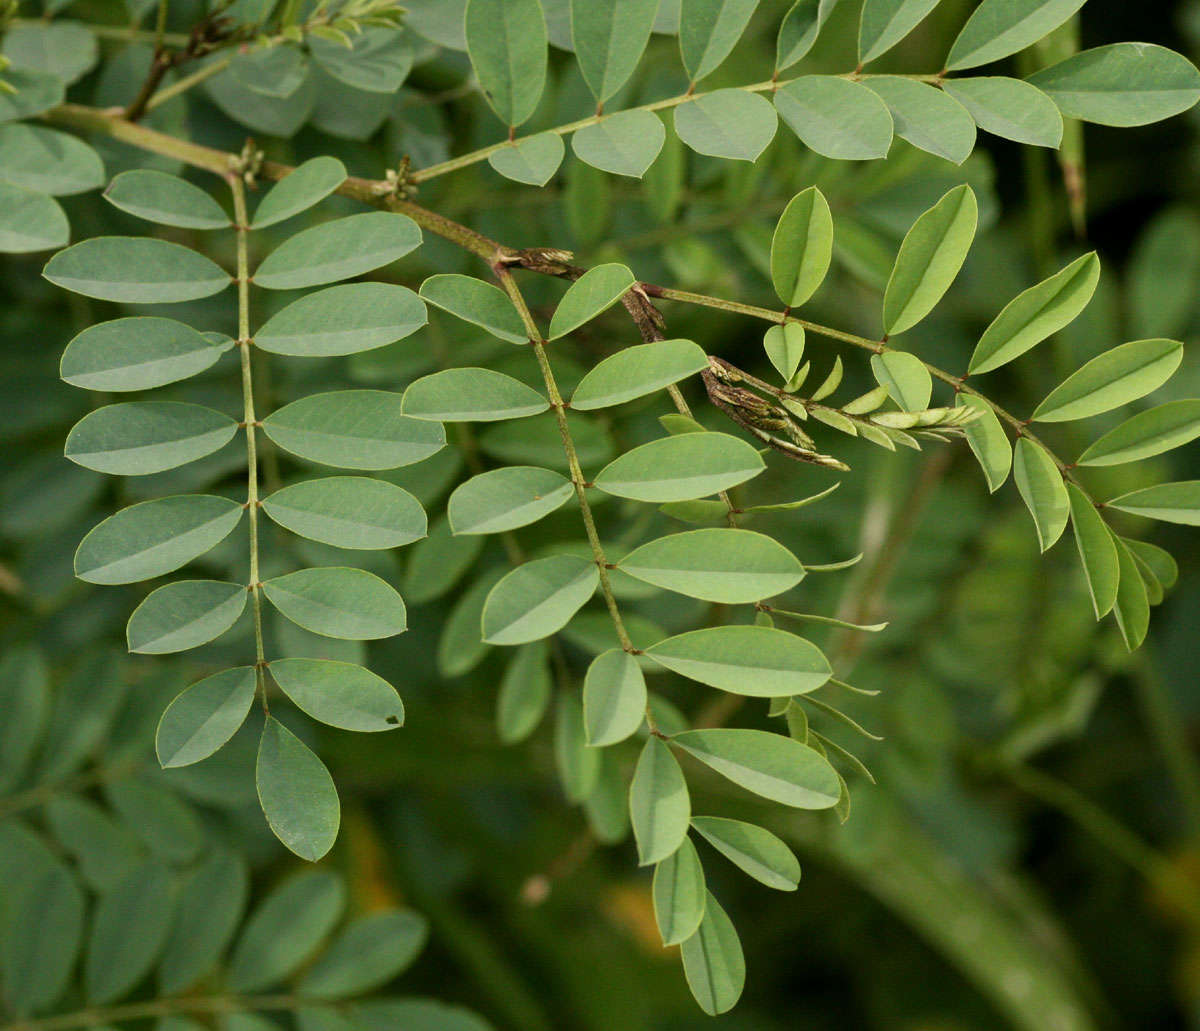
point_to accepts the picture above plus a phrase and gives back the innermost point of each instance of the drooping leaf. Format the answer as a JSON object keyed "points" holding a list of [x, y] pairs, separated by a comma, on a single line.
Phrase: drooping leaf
{"points": [[1146, 434], [679, 894], [636, 371], [680, 468], [770, 765], [835, 117], [48, 161], [505, 499], [378, 59], [905, 378], [1036, 313], [524, 693], [885, 22], [506, 40], [610, 37], [471, 395], [597, 290], [987, 441], [614, 698], [370, 952], [211, 902], [165, 199], [299, 800], [337, 250], [354, 429], [998, 28], [709, 30], [1132, 604], [578, 765], [1042, 489], [135, 270], [349, 512], [183, 615], [299, 190], [39, 952], [931, 254], [623, 143], [339, 601], [659, 804], [713, 961], [204, 716], [142, 437], [154, 537], [538, 599], [477, 302], [802, 247], [1122, 84], [1097, 551], [129, 930], [753, 849], [756, 661], [784, 345], [799, 29], [339, 694], [1112, 379], [926, 117], [136, 354], [1168, 502], [727, 123], [1009, 108], [533, 160]]}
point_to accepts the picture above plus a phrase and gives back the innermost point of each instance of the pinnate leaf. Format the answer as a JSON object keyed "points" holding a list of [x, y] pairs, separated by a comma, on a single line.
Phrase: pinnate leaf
{"points": [[659, 804], [300, 802], [538, 599], [183, 615]]}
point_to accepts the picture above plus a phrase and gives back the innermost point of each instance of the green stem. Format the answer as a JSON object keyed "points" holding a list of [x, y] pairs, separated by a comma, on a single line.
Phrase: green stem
{"points": [[157, 1008], [187, 82]]}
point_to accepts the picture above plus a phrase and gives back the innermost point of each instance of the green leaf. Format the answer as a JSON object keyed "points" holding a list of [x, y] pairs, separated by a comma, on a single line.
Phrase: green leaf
{"points": [[1122, 84], [754, 850], [623, 143], [1097, 551], [339, 694], [136, 354], [1164, 267], [722, 565], [578, 765], [1041, 486], [204, 716], [679, 894], [438, 562], [597, 290], [32, 93], [885, 22], [354, 429], [998, 28], [636, 371], [770, 765], [275, 71], [524, 693], [299, 190], [46, 922], [506, 40], [799, 29], [135, 270], [987, 440], [30, 221], [680, 468], [1009, 108], [507, 498], [471, 395], [709, 30], [166, 824], [785, 347], [1146, 434], [165, 199], [337, 250], [64, 49], [1132, 604], [142, 437], [338, 601], [610, 37], [349, 512], [533, 160], [538, 599], [1112, 379], [477, 302], [727, 123], [659, 805], [756, 661], [346, 319], [104, 850], [129, 930], [369, 953], [931, 254], [835, 117], [48, 161], [713, 962], [1037, 313], [298, 798], [183, 615], [287, 927], [155, 537], [1169, 502], [25, 700], [378, 59], [802, 247], [905, 378], [211, 902], [926, 117], [614, 698]]}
